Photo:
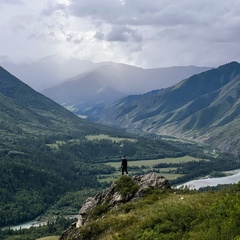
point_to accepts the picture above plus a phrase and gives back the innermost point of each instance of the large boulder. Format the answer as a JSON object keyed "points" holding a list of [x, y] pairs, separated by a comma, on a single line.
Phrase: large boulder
{"points": [[114, 196], [125, 189]]}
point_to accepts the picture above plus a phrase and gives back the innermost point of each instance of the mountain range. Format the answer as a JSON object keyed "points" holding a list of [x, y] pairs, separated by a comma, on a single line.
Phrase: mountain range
{"points": [[48, 71], [107, 82], [203, 108], [25, 113], [48, 154], [44, 152]]}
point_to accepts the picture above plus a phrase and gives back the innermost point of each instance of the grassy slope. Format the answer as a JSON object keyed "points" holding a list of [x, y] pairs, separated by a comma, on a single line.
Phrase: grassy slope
{"points": [[174, 214], [49, 238]]}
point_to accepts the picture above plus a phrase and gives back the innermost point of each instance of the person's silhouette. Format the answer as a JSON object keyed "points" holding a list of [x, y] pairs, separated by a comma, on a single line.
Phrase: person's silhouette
{"points": [[124, 165]]}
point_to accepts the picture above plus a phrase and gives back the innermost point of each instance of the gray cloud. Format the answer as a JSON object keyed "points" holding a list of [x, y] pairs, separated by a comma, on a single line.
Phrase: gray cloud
{"points": [[11, 2], [203, 15], [74, 38], [147, 33], [52, 7], [185, 26], [120, 34], [142, 12], [106, 10]]}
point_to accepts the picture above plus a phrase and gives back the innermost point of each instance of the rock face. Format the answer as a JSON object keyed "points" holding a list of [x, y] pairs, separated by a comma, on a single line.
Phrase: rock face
{"points": [[114, 197]]}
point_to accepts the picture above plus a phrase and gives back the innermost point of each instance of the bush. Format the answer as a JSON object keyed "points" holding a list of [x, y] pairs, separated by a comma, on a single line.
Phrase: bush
{"points": [[125, 185]]}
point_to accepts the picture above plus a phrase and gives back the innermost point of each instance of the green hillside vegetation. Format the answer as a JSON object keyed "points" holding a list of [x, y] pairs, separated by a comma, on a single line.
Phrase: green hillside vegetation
{"points": [[27, 114], [204, 107], [59, 179], [160, 214], [169, 214], [34, 176], [51, 160]]}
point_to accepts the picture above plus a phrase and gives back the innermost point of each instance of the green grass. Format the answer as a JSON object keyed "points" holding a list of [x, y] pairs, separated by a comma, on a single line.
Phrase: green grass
{"points": [[151, 162], [167, 170], [167, 214], [107, 137], [49, 238], [171, 176], [148, 165], [56, 145]]}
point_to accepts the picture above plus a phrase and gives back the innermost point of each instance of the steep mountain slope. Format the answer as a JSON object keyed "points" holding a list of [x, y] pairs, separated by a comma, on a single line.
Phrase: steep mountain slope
{"points": [[33, 174], [110, 81], [28, 112], [204, 107]]}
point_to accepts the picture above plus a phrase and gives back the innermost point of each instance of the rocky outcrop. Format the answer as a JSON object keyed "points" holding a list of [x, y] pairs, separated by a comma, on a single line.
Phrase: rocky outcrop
{"points": [[116, 195]]}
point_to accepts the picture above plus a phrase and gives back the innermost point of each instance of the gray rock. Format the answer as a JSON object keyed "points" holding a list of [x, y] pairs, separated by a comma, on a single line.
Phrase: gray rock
{"points": [[114, 198]]}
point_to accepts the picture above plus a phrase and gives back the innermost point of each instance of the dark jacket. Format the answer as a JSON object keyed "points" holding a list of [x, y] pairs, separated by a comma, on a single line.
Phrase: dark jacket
{"points": [[124, 162]]}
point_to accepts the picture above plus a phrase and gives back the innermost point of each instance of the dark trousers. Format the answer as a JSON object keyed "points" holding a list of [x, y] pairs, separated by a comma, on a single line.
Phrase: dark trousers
{"points": [[124, 169]]}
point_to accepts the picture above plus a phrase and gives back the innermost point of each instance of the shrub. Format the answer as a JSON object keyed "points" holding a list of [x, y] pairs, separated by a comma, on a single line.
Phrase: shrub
{"points": [[125, 185]]}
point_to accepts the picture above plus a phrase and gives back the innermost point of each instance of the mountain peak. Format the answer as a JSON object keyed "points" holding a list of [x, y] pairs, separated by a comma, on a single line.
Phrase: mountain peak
{"points": [[230, 65], [233, 63]]}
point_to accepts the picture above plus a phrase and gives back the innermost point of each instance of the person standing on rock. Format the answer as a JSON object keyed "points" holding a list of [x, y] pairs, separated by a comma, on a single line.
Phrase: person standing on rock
{"points": [[124, 165]]}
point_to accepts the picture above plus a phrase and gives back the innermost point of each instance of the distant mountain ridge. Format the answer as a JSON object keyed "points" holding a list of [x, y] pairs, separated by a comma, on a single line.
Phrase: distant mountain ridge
{"points": [[25, 112], [204, 107], [98, 87], [47, 71]]}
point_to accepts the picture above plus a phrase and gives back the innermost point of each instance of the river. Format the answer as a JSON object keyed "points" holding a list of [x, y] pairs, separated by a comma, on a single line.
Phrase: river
{"points": [[234, 177], [35, 223], [25, 225]]}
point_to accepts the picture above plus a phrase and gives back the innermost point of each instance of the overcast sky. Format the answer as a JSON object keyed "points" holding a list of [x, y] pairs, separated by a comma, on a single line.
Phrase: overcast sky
{"points": [[146, 33]]}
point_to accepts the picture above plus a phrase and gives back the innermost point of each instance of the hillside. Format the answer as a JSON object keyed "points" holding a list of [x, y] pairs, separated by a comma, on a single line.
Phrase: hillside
{"points": [[30, 171], [204, 107], [98, 87], [25, 112], [158, 213], [51, 159], [50, 156]]}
